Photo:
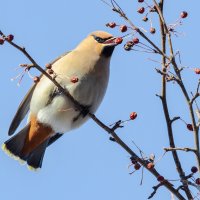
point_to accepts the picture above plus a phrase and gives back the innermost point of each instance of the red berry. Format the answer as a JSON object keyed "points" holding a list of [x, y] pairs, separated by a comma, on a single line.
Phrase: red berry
{"points": [[111, 24], [197, 181], [133, 115], [48, 66], [112, 139], [160, 178], [36, 79], [145, 19], [127, 47], [190, 127], [1, 41], [10, 38], [197, 70], [152, 30], [129, 43], [135, 40], [74, 79], [150, 165], [50, 71], [133, 160], [194, 169], [137, 166], [118, 40], [184, 14], [140, 1], [123, 28], [153, 9], [141, 10]]}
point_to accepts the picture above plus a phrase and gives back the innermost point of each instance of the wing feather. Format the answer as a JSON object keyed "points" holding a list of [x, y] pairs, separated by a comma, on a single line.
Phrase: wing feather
{"points": [[25, 105]]}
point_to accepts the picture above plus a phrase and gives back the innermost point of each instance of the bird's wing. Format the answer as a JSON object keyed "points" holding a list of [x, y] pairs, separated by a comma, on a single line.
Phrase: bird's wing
{"points": [[25, 105], [21, 111]]}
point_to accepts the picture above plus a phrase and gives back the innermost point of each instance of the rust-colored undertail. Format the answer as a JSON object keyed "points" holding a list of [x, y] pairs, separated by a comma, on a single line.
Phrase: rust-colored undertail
{"points": [[30, 143]]}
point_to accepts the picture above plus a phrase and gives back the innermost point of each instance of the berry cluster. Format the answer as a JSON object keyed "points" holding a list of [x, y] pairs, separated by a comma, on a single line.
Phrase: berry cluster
{"points": [[8, 38]]}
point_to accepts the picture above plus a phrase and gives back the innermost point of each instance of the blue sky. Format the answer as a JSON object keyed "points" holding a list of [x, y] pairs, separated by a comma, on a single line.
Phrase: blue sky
{"points": [[84, 164]]}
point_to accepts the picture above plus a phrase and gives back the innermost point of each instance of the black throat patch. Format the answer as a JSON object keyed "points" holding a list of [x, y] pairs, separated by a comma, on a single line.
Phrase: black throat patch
{"points": [[107, 51]]}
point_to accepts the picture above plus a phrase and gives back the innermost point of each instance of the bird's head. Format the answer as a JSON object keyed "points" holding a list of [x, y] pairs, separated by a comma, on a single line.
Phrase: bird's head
{"points": [[102, 42]]}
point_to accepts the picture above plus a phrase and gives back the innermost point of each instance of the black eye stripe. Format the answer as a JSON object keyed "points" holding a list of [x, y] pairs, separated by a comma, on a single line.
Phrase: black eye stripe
{"points": [[100, 40]]}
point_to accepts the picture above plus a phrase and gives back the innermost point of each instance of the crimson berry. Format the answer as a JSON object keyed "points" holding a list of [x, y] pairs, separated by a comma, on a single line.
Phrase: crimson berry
{"points": [[74, 79], [112, 139], [36, 79], [129, 43], [140, 1], [133, 160], [145, 19], [197, 70], [50, 71], [48, 66], [160, 178], [153, 9], [118, 40], [111, 24], [133, 115], [10, 38], [123, 28], [190, 127], [150, 165], [197, 181], [141, 10], [137, 166], [1, 41], [194, 169], [152, 30], [127, 47], [184, 14], [135, 40]]}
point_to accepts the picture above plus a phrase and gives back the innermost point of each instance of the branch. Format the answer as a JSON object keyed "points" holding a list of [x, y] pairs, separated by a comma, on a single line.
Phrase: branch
{"points": [[155, 188], [164, 98], [186, 149], [182, 86], [116, 8]]}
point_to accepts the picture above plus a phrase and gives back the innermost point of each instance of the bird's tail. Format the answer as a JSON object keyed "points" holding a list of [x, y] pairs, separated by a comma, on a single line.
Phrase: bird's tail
{"points": [[15, 146]]}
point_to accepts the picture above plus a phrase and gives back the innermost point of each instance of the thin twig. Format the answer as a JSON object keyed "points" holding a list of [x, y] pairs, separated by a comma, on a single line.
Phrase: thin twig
{"points": [[155, 188], [186, 149]]}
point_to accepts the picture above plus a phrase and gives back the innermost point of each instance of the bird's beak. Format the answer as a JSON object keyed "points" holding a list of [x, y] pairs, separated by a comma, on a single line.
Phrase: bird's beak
{"points": [[111, 41]]}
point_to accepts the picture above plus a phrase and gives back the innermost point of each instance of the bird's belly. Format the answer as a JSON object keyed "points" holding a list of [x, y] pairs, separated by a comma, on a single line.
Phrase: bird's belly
{"points": [[60, 113]]}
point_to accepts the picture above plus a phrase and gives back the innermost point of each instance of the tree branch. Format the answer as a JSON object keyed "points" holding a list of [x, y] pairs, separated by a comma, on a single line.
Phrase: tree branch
{"points": [[186, 149], [182, 86], [164, 98]]}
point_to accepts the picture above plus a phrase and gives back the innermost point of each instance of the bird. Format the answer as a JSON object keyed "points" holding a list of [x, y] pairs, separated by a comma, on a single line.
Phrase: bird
{"points": [[84, 72]]}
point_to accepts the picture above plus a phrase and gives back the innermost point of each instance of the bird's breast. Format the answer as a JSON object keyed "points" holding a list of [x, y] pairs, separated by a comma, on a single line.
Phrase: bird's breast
{"points": [[59, 111]]}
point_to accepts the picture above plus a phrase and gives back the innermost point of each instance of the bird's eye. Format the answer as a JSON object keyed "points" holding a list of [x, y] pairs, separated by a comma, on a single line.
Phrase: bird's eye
{"points": [[99, 40]]}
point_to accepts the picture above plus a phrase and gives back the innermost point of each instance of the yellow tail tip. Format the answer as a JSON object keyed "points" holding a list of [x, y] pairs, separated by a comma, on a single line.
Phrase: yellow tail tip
{"points": [[9, 153], [33, 168]]}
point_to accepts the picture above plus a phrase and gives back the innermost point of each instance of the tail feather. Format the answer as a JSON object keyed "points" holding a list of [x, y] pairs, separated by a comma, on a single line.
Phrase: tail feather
{"points": [[35, 158], [15, 145]]}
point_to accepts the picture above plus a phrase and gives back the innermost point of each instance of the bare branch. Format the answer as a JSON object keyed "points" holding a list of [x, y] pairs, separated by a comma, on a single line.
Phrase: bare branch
{"points": [[186, 149], [155, 188]]}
